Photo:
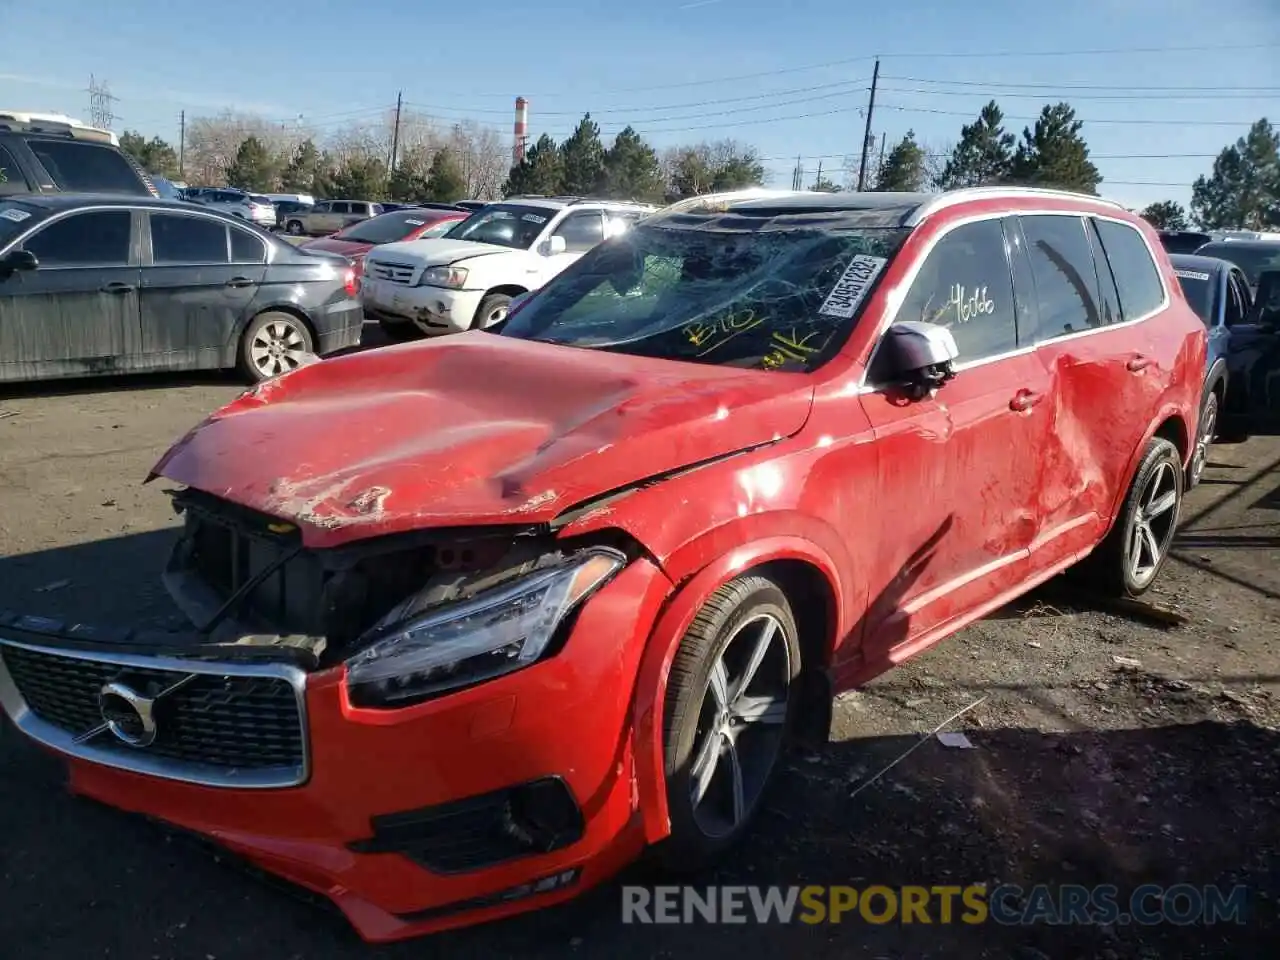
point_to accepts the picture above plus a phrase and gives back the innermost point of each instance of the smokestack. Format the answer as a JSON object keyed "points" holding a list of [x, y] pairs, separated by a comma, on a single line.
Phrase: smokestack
{"points": [[521, 130]]}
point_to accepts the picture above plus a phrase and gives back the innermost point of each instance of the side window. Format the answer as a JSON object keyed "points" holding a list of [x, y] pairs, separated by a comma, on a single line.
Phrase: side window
{"points": [[11, 178], [320, 208], [97, 239], [1141, 291], [1108, 291], [1236, 305], [179, 239], [87, 167], [339, 208], [964, 284], [1066, 281], [246, 248], [581, 231], [1024, 284]]}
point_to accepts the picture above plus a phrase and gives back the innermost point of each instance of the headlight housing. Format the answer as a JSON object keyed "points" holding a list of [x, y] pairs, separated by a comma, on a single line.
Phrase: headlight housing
{"points": [[452, 277], [492, 634]]}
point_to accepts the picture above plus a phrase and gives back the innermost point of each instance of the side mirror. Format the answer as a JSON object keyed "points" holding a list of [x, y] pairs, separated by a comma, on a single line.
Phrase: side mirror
{"points": [[921, 354], [16, 261], [553, 245]]}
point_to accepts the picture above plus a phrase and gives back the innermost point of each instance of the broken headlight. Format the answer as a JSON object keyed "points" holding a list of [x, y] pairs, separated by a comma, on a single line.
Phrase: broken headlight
{"points": [[494, 633]]}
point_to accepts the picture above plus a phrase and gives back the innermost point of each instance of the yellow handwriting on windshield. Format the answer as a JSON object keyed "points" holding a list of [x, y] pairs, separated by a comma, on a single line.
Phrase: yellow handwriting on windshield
{"points": [[790, 347], [709, 336]]}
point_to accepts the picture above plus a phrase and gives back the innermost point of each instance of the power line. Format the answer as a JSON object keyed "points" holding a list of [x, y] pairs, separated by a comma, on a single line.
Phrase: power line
{"points": [[1004, 95], [1073, 86], [1179, 122]]}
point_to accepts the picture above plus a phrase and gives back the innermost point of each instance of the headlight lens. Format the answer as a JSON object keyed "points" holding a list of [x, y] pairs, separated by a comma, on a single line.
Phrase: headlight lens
{"points": [[494, 633], [455, 277]]}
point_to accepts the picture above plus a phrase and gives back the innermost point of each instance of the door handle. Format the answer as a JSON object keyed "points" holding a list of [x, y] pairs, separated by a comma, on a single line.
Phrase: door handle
{"points": [[1138, 364], [117, 288], [239, 282], [1024, 400]]}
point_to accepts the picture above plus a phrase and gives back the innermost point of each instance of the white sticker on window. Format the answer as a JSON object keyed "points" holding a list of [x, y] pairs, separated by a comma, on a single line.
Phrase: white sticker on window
{"points": [[533, 218], [1191, 275], [416, 223], [851, 288], [17, 216]]}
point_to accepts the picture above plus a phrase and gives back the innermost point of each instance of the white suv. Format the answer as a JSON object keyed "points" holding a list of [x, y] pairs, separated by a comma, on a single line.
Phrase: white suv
{"points": [[247, 206], [467, 278]]}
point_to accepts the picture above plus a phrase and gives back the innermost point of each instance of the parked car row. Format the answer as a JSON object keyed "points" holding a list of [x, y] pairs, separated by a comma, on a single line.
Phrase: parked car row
{"points": [[595, 566]]}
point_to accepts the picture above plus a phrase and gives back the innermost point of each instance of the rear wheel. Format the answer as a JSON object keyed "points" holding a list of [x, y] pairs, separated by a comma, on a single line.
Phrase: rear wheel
{"points": [[1127, 562], [294, 228], [728, 710], [1208, 433], [274, 343]]}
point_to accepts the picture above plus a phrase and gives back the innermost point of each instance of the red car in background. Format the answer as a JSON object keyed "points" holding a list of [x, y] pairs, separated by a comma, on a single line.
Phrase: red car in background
{"points": [[411, 224]]}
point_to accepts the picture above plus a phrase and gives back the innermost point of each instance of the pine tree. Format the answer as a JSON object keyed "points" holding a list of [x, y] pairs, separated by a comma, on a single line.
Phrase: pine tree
{"points": [[631, 170], [984, 153], [445, 182], [1166, 215], [1054, 154], [540, 172], [306, 171], [583, 158], [254, 169], [1244, 189], [904, 167]]}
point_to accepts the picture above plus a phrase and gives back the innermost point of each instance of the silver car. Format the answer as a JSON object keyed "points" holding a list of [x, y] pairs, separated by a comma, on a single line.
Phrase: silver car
{"points": [[330, 216], [247, 206]]}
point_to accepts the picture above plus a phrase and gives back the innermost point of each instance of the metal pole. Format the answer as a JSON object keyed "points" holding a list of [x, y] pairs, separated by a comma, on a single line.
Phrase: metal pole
{"points": [[866, 135], [182, 145], [395, 136]]}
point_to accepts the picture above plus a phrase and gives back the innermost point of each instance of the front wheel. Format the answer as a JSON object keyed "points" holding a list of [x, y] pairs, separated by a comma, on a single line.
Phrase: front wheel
{"points": [[1126, 563], [493, 309], [728, 711], [294, 228], [274, 343]]}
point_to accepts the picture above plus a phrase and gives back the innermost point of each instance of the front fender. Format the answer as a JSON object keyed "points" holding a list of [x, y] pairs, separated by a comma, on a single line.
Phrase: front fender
{"points": [[670, 627]]}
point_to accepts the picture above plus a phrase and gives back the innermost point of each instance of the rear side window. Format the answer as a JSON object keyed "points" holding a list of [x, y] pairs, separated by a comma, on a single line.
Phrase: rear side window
{"points": [[179, 239], [96, 239], [965, 285], [1108, 292], [11, 178], [246, 248], [1137, 278], [1066, 281], [88, 167]]}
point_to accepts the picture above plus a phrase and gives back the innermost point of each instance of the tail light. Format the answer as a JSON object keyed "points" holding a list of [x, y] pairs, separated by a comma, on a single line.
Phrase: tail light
{"points": [[350, 281]]}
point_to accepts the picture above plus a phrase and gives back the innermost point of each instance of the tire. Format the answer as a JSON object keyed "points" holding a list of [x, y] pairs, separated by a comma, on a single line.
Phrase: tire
{"points": [[294, 228], [1208, 433], [398, 331], [492, 309], [274, 342], [719, 643], [1111, 568]]}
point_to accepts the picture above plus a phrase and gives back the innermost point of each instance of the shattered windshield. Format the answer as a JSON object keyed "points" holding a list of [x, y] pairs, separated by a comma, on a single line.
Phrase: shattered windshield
{"points": [[776, 299]]}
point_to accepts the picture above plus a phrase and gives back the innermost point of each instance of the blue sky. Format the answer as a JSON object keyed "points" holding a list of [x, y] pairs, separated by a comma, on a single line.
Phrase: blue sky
{"points": [[787, 78]]}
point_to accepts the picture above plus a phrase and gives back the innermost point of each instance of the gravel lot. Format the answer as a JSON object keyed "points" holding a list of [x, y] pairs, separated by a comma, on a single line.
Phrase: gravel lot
{"points": [[1108, 750]]}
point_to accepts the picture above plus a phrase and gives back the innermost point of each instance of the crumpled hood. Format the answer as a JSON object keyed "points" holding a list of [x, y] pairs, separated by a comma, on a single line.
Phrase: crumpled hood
{"points": [[472, 429], [435, 251]]}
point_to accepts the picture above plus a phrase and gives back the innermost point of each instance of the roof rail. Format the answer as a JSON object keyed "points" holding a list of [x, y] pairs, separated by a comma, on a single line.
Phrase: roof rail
{"points": [[965, 194]]}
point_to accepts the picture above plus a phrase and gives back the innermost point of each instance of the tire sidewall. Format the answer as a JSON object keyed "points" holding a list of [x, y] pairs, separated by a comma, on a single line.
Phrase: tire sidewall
{"points": [[1200, 457], [246, 364], [1160, 452], [487, 306], [681, 719]]}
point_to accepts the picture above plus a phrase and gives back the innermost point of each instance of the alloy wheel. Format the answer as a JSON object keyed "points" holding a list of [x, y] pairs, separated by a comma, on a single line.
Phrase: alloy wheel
{"points": [[278, 347], [496, 315], [741, 725], [1208, 429], [1153, 525]]}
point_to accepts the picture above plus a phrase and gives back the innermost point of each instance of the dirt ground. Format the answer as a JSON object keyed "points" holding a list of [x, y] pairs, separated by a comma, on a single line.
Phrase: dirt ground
{"points": [[1107, 750]]}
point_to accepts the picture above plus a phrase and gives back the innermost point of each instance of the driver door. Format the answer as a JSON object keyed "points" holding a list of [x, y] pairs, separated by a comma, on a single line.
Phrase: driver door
{"points": [[961, 468], [580, 231]]}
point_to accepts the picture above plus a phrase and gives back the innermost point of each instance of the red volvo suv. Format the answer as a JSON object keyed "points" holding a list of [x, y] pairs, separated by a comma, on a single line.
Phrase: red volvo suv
{"points": [[477, 621]]}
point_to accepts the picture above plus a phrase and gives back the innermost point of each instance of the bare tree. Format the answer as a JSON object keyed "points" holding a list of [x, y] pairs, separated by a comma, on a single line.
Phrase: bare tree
{"points": [[482, 157], [936, 153]]}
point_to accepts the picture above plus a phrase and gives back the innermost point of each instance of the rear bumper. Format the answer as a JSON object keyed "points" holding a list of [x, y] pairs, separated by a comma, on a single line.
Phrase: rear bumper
{"points": [[353, 829], [339, 327]]}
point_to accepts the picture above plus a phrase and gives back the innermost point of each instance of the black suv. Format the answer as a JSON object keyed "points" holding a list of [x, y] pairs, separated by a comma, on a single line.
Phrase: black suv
{"points": [[50, 157]]}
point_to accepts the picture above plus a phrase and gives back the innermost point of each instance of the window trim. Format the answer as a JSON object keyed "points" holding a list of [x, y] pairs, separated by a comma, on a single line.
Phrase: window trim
{"points": [[232, 230], [1155, 262], [135, 238], [890, 315], [1098, 247], [1235, 277]]}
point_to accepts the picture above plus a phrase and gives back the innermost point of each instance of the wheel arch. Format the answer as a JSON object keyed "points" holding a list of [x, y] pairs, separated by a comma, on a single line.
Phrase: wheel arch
{"points": [[292, 309], [807, 576]]}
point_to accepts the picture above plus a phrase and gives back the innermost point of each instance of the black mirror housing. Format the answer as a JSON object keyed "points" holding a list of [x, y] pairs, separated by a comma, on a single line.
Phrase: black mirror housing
{"points": [[921, 354], [16, 261]]}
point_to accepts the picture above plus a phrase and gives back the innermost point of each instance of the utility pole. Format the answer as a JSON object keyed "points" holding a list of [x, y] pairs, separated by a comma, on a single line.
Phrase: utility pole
{"points": [[182, 144], [395, 135], [818, 180], [866, 135]]}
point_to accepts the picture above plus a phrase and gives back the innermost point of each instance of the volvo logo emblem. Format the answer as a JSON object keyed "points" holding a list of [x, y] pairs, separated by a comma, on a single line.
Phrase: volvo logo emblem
{"points": [[128, 714]]}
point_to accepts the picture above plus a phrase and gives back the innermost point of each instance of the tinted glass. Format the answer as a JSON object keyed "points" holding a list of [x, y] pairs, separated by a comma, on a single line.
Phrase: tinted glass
{"points": [[246, 248], [1066, 280], [1252, 258], [178, 239], [387, 228], [1137, 278], [581, 231], [100, 238], [1237, 305], [1200, 288], [11, 178], [1108, 291], [768, 300], [965, 285], [88, 167]]}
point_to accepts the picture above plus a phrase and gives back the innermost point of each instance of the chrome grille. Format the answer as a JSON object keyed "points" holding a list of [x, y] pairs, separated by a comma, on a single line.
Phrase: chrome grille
{"points": [[239, 727], [401, 273]]}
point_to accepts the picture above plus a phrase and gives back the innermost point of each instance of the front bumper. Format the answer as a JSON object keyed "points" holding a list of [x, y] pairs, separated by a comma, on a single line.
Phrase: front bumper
{"points": [[435, 311], [347, 830]]}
